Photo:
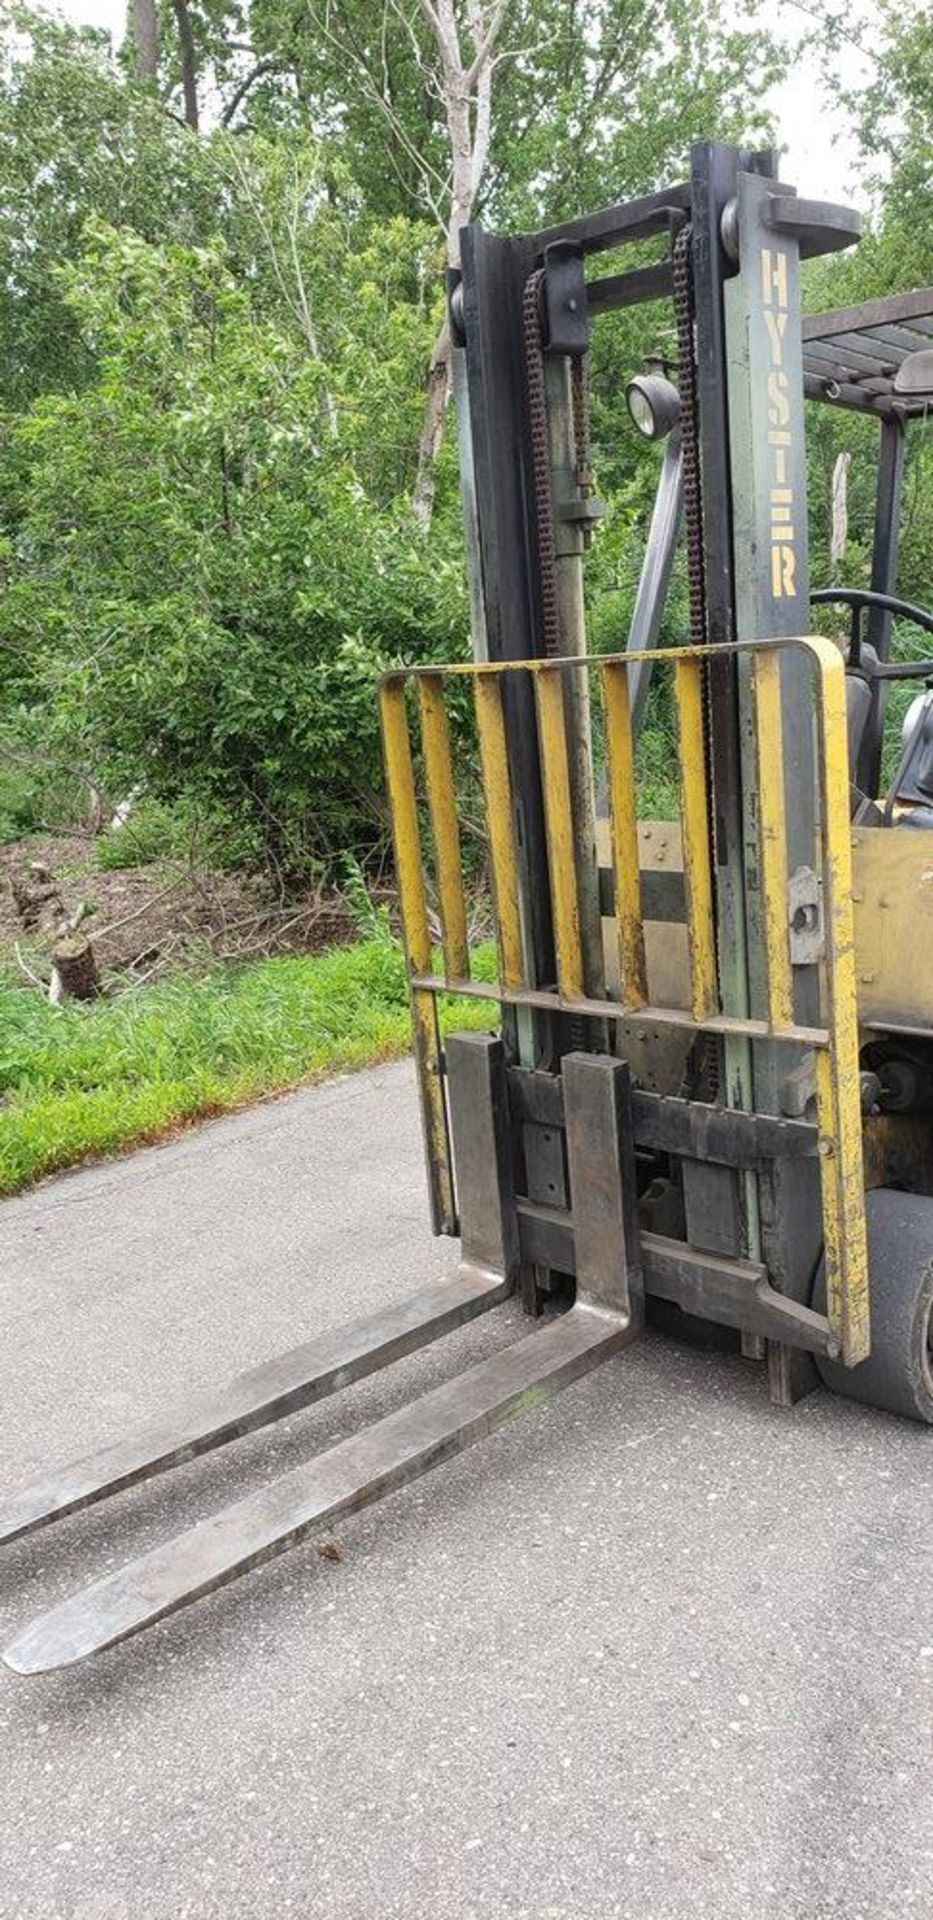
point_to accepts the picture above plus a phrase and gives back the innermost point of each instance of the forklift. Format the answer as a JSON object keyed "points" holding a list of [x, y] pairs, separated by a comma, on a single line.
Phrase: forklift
{"points": [[706, 1092]]}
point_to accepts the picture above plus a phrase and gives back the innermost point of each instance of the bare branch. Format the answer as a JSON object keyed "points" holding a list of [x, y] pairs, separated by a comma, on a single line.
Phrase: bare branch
{"points": [[268, 65], [346, 46], [27, 970], [432, 19], [485, 45]]}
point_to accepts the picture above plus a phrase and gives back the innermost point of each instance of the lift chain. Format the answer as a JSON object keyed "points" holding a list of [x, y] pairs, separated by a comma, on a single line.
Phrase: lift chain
{"points": [[541, 458], [581, 423], [693, 503], [704, 1072]]}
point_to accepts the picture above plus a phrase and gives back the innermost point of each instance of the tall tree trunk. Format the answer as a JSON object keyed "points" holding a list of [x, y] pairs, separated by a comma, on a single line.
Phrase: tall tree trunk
{"points": [[466, 91], [432, 428], [189, 64], [144, 28]]}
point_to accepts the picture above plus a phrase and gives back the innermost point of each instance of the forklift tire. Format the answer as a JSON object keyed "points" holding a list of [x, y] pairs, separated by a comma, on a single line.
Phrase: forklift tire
{"points": [[897, 1377]]}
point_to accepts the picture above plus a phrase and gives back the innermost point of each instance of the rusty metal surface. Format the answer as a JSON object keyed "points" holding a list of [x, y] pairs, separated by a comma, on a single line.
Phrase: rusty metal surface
{"points": [[732, 1293], [603, 1190], [343, 1480], [255, 1398]]}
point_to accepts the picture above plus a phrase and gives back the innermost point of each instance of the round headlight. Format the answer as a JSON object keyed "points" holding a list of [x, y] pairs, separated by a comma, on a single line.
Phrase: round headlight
{"points": [[654, 404]]}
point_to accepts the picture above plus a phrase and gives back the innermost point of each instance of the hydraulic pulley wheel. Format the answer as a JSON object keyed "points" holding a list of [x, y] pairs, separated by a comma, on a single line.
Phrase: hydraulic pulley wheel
{"points": [[897, 1377]]}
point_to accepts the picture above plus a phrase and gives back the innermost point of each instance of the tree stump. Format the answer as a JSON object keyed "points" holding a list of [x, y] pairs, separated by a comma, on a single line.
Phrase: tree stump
{"points": [[74, 970], [37, 899]]}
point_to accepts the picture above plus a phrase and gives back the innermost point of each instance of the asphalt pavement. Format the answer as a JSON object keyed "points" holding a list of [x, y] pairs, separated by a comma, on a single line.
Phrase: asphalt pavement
{"points": [[653, 1651]]}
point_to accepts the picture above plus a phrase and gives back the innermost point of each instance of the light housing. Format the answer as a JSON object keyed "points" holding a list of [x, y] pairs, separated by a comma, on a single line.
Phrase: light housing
{"points": [[654, 404], [914, 376]]}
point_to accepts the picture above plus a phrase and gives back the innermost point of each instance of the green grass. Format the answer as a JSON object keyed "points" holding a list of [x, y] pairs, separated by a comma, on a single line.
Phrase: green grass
{"points": [[80, 1081]]}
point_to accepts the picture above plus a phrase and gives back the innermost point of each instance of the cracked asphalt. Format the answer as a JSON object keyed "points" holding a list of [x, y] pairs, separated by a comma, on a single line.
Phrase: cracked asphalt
{"points": [[653, 1651]]}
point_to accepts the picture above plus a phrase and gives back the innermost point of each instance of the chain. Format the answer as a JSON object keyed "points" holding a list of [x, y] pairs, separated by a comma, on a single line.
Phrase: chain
{"points": [[541, 459], [706, 1059], [693, 502], [581, 423]]}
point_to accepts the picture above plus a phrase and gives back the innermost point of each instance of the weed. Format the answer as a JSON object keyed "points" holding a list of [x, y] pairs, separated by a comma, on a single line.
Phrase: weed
{"points": [[80, 1081]]}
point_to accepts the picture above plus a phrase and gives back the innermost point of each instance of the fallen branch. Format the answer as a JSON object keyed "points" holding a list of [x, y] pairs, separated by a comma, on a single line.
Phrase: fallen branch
{"points": [[35, 978]]}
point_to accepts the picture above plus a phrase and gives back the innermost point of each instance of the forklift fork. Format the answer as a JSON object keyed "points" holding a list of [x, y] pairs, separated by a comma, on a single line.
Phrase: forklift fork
{"points": [[607, 1314]]}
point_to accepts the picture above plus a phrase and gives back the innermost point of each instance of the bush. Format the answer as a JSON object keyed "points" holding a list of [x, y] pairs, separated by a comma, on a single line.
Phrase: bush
{"points": [[211, 561], [152, 832], [38, 797]]}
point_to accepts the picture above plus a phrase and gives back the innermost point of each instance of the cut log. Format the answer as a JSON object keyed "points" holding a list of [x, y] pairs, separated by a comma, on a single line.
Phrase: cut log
{"points": [[74, 970]]}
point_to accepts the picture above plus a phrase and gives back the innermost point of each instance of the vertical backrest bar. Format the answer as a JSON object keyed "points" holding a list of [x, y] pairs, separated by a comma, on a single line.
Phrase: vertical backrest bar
{"points": [[400, 778], [497, 792], [558, 815], [694, 815], [772, 827], [442, 806], [403, 802], [838, 1092], [623, 828]]}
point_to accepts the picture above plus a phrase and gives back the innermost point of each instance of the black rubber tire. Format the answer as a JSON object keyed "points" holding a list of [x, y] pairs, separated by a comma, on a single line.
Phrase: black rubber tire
{"points": [[897, 1377]]}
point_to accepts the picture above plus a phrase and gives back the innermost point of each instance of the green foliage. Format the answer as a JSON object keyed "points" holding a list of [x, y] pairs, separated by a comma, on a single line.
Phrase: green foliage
{"points": [[210, 563], [152, 832], [213, 378], [38, 792], [78, 1081], [76, 140], [601, 91]]}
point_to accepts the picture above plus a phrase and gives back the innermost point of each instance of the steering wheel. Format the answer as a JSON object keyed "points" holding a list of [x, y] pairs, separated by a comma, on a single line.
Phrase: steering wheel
{"points": [[857, 599]]}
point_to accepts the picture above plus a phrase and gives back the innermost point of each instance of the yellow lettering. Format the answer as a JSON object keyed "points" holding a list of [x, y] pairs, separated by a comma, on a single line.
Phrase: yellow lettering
{"points": [[777, 326], [783, 570], [779, 410], [774, 277]]}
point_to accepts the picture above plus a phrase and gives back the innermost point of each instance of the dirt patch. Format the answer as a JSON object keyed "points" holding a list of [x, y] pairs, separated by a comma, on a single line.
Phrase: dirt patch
{"points": [[146, 922]]}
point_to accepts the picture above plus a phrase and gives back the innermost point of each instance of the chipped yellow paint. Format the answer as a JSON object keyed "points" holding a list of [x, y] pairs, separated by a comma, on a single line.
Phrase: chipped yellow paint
{"points": [[694, 819], [442, 807], [620, 755], [838, 1091], [558, 816], [894, 925], [835, 1044], [772, 826], [406, 832], [497, 792]]}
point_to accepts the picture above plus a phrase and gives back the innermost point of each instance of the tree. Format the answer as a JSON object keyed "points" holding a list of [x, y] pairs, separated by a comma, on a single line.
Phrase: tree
{"points": [[189, 62], [77, 140], [422, 76], [465, 84], [524, 109], [143, 25], [210, 556]]}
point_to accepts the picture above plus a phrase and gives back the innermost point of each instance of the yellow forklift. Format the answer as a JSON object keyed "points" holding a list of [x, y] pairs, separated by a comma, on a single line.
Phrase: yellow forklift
{"points": [[706, 1095]]}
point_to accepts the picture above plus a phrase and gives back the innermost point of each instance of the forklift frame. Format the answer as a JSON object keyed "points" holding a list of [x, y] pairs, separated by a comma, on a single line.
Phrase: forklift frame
{"points": [[534, 1136]]}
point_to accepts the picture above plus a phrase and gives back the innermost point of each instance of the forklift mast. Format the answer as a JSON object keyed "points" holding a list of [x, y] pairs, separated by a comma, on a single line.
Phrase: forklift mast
{"points": [[523, 312]]}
